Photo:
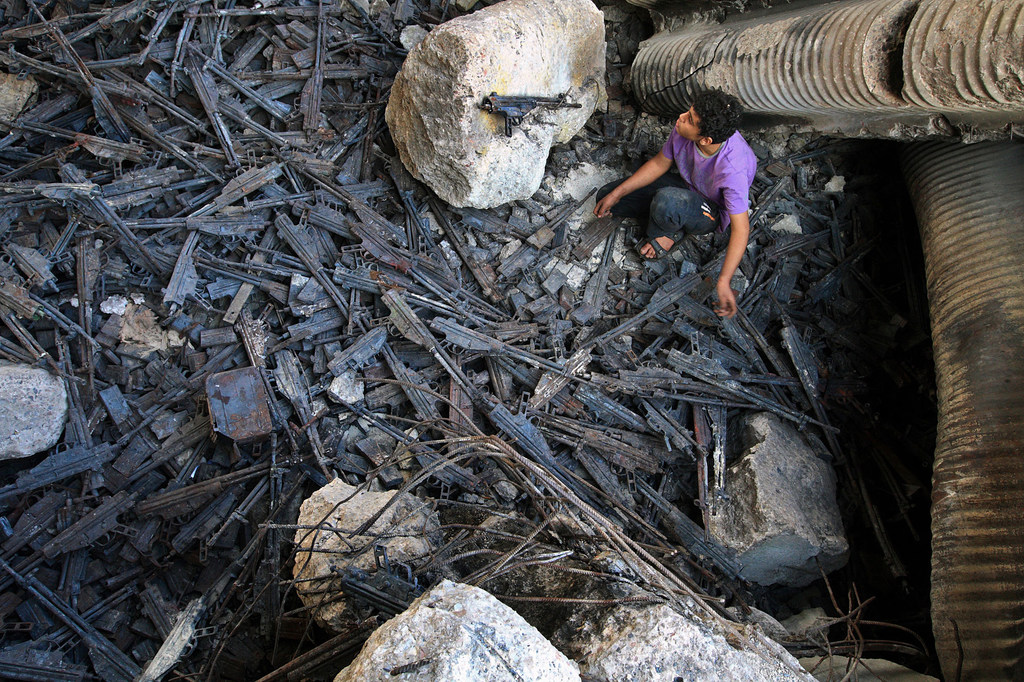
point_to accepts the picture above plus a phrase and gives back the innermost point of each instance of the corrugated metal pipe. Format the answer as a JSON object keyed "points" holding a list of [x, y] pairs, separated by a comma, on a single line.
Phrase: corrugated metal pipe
{"points": [[899, 58], [967, 54], [969, 201], [882, 56]]}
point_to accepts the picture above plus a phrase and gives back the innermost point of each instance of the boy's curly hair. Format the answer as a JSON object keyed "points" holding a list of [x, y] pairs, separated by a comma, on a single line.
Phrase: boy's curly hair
{"points": [[719, 114]]}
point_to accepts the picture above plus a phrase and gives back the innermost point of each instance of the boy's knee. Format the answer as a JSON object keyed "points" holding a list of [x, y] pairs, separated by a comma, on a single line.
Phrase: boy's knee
{"points": [[678, 209], [672, 203], [666, 198]]}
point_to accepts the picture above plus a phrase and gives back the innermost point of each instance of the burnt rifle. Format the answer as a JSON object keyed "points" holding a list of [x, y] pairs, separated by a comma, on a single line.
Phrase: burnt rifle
{"points": [[94, 525], [482, 272], [313, 90], [106, 115], [514, 107], [86, 194], [687, 533], [209, 97], [109, 662], [524, 433], [64, 463]]}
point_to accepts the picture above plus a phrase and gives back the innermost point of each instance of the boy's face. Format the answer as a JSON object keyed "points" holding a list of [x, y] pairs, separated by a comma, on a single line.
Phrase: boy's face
{"points": [[688, 126]]}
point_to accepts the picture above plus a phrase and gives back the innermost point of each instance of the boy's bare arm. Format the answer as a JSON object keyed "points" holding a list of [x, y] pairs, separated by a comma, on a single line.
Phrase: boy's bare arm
{"points": [[738, 236], [645, 175]]}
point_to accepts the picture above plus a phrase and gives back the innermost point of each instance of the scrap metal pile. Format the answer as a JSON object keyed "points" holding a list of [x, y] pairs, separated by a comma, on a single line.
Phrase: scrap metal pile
{"points": [[204, 237]]}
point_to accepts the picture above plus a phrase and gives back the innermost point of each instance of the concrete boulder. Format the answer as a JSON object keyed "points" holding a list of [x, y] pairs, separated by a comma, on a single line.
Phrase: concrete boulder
{"points": [[660, 644], [781, 516], [459, 633], [33, 409], [328, 553], [517, 47]]}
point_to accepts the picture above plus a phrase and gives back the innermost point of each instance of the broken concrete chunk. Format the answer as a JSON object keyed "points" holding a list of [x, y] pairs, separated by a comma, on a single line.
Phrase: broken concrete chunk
{"points": [[33, 407], [576, 184], [346, 388], [16, 92], [518, 47], [142, 336], [459, 633], [771, 627], [811, 624], [781, 515], [659, 644], [835, 184], [412, 36], [508, 250], [788, 223], [329, 552], [114, 305]]}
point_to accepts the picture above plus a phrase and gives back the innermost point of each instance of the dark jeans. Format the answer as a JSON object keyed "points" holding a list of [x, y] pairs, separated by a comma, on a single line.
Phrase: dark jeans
{"points": [[667, 206]]}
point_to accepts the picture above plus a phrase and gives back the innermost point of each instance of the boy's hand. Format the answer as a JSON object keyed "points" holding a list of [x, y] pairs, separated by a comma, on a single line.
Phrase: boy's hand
{"points": [[604, 207], [726, 299]]}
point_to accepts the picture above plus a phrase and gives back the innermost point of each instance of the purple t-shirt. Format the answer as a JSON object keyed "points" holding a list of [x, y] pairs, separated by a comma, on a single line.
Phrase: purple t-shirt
{"points": [[724, 178]]}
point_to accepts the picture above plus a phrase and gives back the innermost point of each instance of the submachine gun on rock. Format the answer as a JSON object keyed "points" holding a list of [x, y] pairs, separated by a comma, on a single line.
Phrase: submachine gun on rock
{"points": [[514, 107]]}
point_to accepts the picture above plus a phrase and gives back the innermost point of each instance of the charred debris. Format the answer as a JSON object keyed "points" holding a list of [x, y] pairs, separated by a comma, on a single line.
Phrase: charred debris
{"points": [[204, 236]]}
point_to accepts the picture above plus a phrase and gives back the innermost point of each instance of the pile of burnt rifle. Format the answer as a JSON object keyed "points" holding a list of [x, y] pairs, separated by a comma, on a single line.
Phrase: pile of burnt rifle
{"points": [[218, 178]]}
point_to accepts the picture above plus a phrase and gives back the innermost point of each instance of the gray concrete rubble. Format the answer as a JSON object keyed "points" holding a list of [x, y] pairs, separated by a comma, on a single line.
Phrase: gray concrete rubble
{"points": [[328, 551], [518, 47], [346, 388], [811, 624], [16, 91], [660, 644], [781, 514], [458, 633], [768, 623], [33, 408]]}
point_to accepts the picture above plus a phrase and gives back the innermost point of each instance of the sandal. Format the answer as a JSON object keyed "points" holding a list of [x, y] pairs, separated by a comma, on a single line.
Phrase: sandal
{"points": [[659, 250]]}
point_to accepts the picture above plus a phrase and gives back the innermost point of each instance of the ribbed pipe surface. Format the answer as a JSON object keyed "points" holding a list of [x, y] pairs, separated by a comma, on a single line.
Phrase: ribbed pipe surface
{"points": [[969, 202], [814, 61], [966, 54], [886, 56]]}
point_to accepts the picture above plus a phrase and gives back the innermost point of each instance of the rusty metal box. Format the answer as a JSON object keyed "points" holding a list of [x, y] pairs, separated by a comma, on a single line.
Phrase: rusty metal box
{"points": [[239, 404]]}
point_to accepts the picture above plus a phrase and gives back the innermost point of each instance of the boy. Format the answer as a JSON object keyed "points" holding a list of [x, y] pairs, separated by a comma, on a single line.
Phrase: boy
{"points": [[716, 168]]}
